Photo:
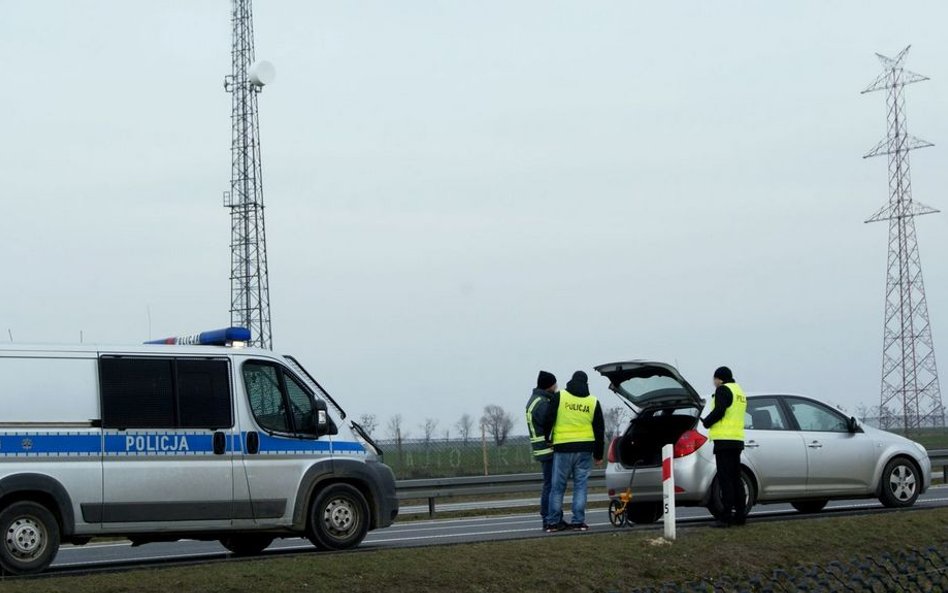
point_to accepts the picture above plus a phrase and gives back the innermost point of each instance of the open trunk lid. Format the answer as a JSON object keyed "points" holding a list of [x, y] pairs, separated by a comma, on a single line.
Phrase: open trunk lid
{"points": [[646, 384]]}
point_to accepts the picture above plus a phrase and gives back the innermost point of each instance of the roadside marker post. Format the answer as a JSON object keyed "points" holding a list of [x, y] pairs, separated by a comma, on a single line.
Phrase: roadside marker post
{"points": [[668, 490]]}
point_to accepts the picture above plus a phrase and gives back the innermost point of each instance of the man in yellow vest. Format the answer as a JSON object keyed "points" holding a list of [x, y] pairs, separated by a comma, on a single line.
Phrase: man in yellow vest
{"points": [[725, 426], [578, 434], [538, 408]]}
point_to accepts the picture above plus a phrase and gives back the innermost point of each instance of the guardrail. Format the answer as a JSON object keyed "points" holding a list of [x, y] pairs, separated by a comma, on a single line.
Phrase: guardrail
{"points": [[434, 488]]}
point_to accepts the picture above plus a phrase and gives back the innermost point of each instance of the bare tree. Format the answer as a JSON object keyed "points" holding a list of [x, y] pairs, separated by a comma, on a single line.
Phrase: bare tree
{"points": [[428, 428], [464, 426], [614, 418], [395, 429], [497, 422], [369, 423]]}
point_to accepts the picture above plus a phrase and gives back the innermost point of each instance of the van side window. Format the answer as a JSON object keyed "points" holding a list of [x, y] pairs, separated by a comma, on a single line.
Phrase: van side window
{"points": [[204, 394], [301, 406], [137, 392], [266, 399], [279, 402], [165, 393]]}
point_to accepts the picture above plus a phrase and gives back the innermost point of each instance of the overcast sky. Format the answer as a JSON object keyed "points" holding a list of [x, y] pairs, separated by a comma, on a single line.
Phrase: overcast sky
{"points": [[461, 193]]}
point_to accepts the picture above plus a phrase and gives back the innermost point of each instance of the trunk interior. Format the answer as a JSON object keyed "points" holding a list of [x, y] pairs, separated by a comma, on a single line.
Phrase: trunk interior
{"points": [[653, 429]]}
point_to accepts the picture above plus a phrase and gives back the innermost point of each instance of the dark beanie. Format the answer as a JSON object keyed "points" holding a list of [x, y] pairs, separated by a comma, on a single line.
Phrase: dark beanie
{"points": [[724, 374], [579, 384], [545, 380]]}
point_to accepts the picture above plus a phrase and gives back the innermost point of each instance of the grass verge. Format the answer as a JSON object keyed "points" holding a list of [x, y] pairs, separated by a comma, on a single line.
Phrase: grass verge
{"points": [[607, 560]]}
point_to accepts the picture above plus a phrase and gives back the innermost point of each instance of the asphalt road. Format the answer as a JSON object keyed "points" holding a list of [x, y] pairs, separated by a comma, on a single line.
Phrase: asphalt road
{"points": [[119, 554]]}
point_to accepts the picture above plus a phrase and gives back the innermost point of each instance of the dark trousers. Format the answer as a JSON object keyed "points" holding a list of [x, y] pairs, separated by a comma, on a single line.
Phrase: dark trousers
{"points": [[732, 487], [547, 465]]}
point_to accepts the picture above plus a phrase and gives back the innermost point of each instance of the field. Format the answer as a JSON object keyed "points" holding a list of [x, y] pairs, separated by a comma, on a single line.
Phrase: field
{"points": [[599, 561]]}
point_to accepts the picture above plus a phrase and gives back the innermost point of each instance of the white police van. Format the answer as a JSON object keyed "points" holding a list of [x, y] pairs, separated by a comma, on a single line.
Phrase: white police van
{"points": [[195, 438]]}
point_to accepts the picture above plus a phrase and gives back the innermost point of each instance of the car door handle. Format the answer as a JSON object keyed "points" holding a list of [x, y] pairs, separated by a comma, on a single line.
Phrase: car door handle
{"points": [[815, 445], [752, 444]]}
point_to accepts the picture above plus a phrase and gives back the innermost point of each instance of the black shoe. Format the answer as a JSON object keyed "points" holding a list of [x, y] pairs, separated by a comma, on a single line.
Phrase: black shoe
{"points": [[721, 524], [739, 522], [561, 526]]}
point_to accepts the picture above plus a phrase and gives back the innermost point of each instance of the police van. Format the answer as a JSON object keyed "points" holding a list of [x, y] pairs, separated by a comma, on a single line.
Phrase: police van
{"points": [[196, 438]]}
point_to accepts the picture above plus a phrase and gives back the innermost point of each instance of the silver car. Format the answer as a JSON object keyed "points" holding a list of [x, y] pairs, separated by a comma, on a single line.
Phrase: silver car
{"points": [[797, 450]]}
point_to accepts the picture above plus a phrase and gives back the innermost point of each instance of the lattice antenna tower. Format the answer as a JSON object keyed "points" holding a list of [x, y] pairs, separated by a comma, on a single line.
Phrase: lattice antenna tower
{"points": [[910, 395], [249, 280]]}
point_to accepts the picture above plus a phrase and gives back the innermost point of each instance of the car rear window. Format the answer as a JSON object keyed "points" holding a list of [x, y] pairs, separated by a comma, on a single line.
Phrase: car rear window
{"points": [[639, 388]]}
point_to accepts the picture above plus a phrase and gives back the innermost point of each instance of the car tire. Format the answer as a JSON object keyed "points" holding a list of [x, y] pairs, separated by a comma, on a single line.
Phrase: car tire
{"points": [[901, 483], [30, 538], [338, 518], [716, 503], [247, 544], [809, 506], [643, 512]]}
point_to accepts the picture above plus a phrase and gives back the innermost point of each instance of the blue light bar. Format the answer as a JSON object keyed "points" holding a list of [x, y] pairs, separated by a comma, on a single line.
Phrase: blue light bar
{"points": [[215, 337]]}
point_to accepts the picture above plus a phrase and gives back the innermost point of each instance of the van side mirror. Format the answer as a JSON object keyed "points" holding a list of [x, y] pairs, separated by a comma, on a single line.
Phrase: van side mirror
{"points": [[852, 425], [324, 424]]}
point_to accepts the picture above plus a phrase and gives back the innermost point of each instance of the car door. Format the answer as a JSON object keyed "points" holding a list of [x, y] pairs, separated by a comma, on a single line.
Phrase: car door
{"points": [[839, 462], [773, 451]]}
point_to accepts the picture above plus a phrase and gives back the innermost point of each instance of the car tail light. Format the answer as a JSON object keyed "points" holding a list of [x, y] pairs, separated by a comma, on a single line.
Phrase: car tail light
{"points": [[689, 442], [611, 455]]}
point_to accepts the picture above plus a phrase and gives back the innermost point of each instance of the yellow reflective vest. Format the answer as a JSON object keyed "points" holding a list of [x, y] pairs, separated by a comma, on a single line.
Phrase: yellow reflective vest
{"points": [[574, 419], [731, 426]]}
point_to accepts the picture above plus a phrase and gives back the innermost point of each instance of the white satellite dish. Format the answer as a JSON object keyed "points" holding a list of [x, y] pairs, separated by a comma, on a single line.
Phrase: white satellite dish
{"points": [[262, 73]]}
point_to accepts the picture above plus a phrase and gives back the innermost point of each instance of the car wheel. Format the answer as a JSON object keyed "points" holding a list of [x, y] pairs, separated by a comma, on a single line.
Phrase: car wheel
{"points": [[30, 538], [900, 483], [643, 512], [716, 504], [247, 544], [338, 518], [809, 506]]}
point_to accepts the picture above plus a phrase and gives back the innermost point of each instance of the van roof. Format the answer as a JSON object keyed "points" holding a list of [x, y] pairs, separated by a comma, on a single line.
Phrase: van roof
{"points": [[153, 349]]}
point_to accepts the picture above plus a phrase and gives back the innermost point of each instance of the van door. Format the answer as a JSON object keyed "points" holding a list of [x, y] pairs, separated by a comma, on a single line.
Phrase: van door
{"points": [[279, 439], [168, 424]]}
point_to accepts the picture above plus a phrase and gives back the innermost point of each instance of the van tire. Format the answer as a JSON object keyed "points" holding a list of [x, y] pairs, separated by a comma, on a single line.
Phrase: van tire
{"points": [[30, 535], [247, 544], [338, 518]]}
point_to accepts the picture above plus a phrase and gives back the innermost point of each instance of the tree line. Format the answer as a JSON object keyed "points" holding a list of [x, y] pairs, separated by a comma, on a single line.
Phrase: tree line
{"points": [[495, 422]]}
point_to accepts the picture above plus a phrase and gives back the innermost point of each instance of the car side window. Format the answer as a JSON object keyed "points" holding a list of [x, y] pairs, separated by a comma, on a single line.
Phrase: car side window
{"points": [[262, 382], [812, 416], [764, 413]]}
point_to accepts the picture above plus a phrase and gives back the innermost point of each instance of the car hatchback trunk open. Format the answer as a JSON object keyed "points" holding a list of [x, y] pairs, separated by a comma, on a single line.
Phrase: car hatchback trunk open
{"points": [[667, 407], [641, 444]]}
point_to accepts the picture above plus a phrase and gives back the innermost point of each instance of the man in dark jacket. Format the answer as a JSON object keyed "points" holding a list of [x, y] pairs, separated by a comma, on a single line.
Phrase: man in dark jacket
{"points": [[725, 426], [538, 407], [578, 434]]}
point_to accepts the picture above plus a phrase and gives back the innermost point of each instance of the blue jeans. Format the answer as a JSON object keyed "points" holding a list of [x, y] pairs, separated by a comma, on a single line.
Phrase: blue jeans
{"points": [[547, 465], [579, 464]]}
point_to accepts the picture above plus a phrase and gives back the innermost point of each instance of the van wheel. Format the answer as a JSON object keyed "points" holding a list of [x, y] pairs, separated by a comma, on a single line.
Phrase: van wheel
{"points": [[643, 512], [809, 506], [716, 504], [247, 544], [30, 538], [338, 518], [900, 483]]}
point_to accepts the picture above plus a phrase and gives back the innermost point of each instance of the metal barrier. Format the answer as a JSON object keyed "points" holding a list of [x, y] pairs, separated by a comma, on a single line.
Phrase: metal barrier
{"points": [[434, 488]]}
